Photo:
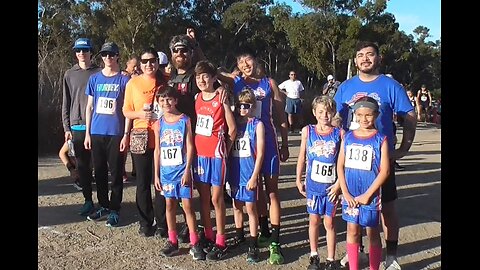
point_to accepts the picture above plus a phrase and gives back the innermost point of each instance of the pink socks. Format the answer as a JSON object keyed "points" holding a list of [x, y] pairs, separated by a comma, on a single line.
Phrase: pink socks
{"points": [[352, 252]]}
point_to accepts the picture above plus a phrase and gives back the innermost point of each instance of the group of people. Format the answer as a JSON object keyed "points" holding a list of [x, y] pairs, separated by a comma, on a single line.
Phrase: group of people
{"points": [[197, 140]]}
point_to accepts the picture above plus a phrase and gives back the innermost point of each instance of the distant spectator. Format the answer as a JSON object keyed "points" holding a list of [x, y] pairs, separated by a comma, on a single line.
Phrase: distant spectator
{"points": [[331, 86]]}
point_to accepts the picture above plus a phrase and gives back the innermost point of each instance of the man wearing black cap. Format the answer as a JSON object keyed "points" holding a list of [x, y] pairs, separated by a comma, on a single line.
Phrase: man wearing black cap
{"points": [[73, 115], [107, 132]]}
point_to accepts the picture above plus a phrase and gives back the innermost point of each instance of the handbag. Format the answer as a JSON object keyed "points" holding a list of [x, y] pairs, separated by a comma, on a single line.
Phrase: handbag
{"points": [[139, 136], [138, 140]]}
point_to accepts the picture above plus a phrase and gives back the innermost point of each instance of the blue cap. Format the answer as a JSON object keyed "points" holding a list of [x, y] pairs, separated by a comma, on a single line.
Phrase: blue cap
{"points": [[83, 43]]}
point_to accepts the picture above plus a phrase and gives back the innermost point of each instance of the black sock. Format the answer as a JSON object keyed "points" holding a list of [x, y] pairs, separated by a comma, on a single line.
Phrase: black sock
{"points": [[240, 233], [253, 241], [275, 233], [391, 247], [264, 226]]}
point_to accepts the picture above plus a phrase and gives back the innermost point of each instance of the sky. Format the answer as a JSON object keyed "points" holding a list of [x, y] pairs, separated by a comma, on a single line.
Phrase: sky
{"points": [[408, 13]]}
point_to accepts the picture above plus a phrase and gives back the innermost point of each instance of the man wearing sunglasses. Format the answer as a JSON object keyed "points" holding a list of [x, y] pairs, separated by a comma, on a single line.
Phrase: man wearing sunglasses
{"points": [[73, 115]]}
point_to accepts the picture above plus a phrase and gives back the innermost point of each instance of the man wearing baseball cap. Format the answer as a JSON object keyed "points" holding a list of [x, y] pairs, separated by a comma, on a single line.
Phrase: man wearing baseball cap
{"points": [[73, 115], [331, 86]]}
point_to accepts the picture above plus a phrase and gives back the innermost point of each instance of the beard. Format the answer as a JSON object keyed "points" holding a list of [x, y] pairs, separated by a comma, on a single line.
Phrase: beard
{"points": [[368, 70], [181, 62]]}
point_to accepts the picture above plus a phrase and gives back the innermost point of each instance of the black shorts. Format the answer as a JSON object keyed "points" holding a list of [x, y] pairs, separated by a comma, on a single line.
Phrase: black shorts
{"points": [[389, 188]]}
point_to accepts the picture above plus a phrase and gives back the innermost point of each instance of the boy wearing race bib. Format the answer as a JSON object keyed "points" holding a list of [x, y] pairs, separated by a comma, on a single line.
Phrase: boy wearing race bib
{"points": [[245, 164], [320, 146], [214, 120], [362, 167], [106, 132], [173, 157]]}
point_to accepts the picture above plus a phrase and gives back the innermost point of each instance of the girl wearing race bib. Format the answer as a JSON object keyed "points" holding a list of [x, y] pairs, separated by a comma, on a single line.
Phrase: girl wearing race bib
{"points": [[214, 120], [173, 157], [362, 168], [245, 164], [319, 147]]}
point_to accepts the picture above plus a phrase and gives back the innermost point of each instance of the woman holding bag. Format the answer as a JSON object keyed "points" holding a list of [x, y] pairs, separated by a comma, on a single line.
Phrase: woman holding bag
{"points": [[141, 107]]}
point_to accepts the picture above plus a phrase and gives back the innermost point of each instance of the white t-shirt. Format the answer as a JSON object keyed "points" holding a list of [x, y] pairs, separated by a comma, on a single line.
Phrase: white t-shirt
{"points": [[293, 88]]}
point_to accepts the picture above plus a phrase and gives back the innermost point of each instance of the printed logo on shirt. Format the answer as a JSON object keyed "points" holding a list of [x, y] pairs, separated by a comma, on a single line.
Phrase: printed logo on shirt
{"points": [[259, 93], [322, 148], [170, 136], [108, 87]]}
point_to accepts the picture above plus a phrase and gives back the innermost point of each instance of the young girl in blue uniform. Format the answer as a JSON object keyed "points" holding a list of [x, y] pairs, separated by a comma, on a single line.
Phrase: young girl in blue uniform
{"points": [[362, 168], [245, 166], [319, 147]]}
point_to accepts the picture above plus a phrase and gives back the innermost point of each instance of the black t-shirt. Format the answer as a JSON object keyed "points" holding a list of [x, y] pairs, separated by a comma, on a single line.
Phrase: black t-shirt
{"points": [[187, 88]]}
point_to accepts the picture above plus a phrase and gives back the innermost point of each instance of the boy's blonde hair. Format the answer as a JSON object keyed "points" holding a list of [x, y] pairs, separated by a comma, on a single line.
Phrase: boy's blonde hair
{"points": [[328, 101], [247, 96]]}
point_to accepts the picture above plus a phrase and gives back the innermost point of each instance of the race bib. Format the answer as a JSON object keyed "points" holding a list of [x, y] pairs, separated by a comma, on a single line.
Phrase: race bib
{"points": [[359, 157], [258, 109], [157, 111], [171, 156], [241, 147], [423, 98], [204, 125], [323, 172], [106, 105], [354, 124]]}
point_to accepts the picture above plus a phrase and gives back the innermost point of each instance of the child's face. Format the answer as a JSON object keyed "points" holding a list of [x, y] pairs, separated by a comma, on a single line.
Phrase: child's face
{"points": [[245, 109], [168, 104], [409, 93], [205, 81], [322, 114], [365, 117]]}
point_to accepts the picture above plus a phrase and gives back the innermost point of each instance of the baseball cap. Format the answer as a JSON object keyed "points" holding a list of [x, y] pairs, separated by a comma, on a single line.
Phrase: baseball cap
{"points": [[180, 41], [82, 43], [110, 47], [330, 77], [162, 58]]}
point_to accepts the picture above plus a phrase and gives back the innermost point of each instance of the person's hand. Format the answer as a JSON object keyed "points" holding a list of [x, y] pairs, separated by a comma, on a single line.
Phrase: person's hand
{"points": [[363, 199], [68, 136], [157, 184], [186, 178], [301, 188], [333, 192], [252, 183], [87, 142], [350, 200], [191, 33], [284, 153], [124, 143], [222, 94]]}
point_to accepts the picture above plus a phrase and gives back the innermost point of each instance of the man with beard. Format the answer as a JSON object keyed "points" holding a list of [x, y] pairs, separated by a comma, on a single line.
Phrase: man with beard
{"points": [[392, 98]]}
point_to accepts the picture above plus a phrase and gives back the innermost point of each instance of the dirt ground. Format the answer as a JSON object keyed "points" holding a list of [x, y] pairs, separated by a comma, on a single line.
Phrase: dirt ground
{"points": [[68, 241]]}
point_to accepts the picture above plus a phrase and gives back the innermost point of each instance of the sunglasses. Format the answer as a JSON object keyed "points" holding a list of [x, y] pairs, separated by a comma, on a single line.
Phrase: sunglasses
{"points": [[151, 60], [180, 50], [245, 106], [110, 54], [82, 50], [293, 74]]}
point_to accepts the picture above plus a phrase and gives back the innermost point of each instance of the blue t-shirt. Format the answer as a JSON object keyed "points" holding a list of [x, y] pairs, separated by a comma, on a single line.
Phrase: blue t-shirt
{"points": [[108, 96], [389, 94]]}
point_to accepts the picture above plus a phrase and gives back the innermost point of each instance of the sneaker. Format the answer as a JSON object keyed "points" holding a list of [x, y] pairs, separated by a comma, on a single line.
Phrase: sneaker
{"points": [[252, 255], [76, 185], [263, 241], [146, 231], [398, 167], [236, 241], [217, 253], [86, 209], [314, 263], [184, 234], [207, 245], [112, 220], [102, 212], [331, 265], [276, 256], [197, 252], [363, 258], [125, 178], [393, 265], [170, 250]]}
